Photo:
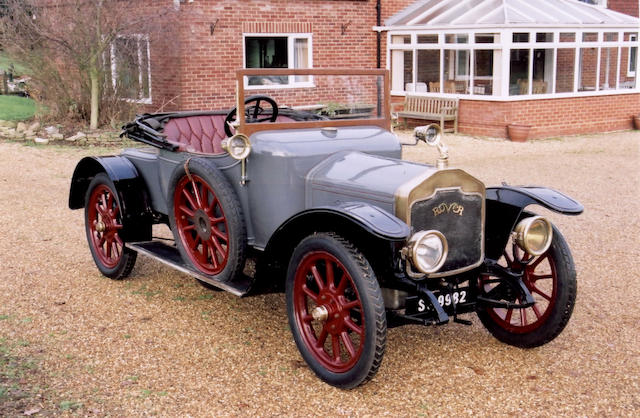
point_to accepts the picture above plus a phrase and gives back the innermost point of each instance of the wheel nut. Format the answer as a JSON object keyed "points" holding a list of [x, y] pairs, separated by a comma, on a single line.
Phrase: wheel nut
{"points": [[100, 227]]}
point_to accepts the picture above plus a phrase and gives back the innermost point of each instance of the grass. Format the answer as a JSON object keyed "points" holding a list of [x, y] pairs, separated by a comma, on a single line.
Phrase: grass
{"points": [[5, 62], [16, 108], [15, 393]]}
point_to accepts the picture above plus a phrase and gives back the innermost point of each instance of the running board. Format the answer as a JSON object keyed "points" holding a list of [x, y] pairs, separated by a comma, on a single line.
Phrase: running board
{"points": [[170, 256]]}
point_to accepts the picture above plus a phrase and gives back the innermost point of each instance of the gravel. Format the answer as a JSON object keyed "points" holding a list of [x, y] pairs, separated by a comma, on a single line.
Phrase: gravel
{"points": [[160, 344]]}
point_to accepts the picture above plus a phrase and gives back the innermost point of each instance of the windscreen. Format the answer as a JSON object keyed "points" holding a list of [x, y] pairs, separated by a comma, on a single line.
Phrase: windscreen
{"points": [[319, 97]]}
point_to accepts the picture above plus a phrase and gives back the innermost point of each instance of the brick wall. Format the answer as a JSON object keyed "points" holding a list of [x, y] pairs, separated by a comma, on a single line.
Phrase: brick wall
{"points": [[550, 117], [341, 36], [629, 7]]}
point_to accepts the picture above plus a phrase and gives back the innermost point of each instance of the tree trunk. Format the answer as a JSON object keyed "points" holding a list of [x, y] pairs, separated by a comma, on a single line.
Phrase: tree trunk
{"points": [[95, 97]]}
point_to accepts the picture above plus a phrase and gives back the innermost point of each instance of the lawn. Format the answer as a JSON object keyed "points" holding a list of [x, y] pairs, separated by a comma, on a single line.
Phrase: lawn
{"points": [[16, 108], [5, 62]]}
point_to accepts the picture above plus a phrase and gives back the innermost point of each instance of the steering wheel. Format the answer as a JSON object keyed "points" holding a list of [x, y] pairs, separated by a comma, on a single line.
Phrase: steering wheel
{"points": [[254, 113]]}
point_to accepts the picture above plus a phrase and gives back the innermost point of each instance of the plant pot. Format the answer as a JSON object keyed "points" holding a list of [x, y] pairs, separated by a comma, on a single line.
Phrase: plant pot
{"points": [[636, 122], [518, 133]]}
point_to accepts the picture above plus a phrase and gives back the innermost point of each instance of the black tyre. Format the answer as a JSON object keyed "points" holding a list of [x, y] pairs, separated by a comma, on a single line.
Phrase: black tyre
{"points": [[103, 225], [551, 280], [336, 311], [206, 220]]}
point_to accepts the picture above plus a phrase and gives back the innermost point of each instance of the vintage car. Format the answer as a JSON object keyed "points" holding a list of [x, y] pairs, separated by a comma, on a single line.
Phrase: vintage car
{"points": [[288, 193]]}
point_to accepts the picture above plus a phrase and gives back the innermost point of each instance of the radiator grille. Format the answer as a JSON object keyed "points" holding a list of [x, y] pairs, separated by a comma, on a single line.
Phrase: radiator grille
{"points": [[459, 216]]}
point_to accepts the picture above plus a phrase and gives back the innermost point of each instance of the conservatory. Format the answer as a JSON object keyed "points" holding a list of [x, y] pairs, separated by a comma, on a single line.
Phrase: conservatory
{"points": [[514, 51]]}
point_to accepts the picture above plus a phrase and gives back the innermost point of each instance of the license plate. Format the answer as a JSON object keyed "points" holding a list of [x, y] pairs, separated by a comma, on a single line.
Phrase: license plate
{"points": [[445, 299]]}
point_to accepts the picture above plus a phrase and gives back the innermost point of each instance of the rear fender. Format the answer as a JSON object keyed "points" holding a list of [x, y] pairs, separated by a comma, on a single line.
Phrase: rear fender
{"points": [[506, 207], [130, 191]]}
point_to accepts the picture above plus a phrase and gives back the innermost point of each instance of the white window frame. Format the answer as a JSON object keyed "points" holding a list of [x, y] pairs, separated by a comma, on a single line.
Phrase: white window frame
{"points": [[114, 66], [632, 38], [291, 38]]}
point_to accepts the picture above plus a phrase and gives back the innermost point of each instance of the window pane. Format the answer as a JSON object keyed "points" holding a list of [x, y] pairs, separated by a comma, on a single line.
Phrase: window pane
{"points": [[608, 64], [519, 72], [610, 36], [428, 70], [456, 71], [483, 72], [628, 56], [487, 38], [427, 39], [565, 70], [131, 68], [456, 38], [402, 70], [587, 70], [145, 88], [267, 52], [544, 37], [521, 37], [542, 70], [301, 57], [401, 39], [590, 37], [567, 37]]}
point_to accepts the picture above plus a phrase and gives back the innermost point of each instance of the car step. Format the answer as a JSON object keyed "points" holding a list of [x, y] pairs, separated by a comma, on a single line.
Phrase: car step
{"points": [[170, 256]]}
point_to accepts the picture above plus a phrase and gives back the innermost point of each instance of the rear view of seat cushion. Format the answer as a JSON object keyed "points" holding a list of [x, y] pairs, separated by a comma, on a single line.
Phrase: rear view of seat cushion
{"points": [[197, 133]]}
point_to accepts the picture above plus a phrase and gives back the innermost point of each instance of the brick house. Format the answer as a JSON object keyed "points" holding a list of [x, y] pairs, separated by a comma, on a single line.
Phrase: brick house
{"points": [[581, 78]]}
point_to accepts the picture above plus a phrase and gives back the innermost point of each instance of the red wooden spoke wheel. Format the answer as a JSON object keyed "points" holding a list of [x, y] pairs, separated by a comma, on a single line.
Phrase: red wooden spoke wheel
{"points": [[551, 280], [104, 224], [201, 224], [104, 229], [541, 278], [336, 311], [328, 311]]}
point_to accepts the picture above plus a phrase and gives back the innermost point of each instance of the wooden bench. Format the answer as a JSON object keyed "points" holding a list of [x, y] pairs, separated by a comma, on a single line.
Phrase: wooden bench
{"points": [[430, 108]]}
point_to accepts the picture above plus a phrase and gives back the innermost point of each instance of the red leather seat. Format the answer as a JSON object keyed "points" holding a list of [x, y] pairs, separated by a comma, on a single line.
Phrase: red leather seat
{"points": [[197, 133], [200, 133]]}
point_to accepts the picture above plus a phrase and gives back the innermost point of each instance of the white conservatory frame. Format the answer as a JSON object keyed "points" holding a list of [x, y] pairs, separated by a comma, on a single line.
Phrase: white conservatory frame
{"points": [[449, 19], [506, 44]]}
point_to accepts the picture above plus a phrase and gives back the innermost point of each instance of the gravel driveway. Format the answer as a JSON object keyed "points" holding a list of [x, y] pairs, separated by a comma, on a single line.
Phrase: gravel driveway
{"points": [[72, 341]]}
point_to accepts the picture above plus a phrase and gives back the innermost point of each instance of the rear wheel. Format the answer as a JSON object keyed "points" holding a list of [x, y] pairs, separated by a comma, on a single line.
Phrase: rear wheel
{"points": [[206, 220], [551, 280], [336, 311], [103, 225]]}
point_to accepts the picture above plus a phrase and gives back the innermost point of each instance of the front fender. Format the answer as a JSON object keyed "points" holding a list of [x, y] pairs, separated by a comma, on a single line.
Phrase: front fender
{"points": [[506, 207], [368, 217], [375, 232], [130, 189]]}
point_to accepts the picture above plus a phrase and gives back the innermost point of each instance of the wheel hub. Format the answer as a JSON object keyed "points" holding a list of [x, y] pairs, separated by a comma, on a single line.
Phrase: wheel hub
{"points": [[202, 224], [100, 226], [320, 313], [330, 311]]}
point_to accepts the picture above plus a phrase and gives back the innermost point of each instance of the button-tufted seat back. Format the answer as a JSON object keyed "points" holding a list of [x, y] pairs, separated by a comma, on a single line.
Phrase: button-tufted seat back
{"points": [[201, 133]]}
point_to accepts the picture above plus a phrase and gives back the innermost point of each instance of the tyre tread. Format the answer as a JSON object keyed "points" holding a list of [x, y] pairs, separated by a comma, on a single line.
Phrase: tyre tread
{"points": [[376, 296]]}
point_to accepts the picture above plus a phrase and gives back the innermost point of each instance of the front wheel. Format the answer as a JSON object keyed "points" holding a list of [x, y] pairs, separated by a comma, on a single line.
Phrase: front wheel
{"points": [[551, 280], [336, 311]]}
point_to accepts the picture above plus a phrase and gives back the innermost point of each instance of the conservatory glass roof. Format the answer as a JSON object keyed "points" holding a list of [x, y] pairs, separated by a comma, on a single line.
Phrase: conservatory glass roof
{"points": [[469, 13]]}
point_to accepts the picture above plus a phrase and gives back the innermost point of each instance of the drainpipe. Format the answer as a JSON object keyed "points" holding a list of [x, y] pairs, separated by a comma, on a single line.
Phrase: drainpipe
{"points": [[378, 53], [378, 33]]}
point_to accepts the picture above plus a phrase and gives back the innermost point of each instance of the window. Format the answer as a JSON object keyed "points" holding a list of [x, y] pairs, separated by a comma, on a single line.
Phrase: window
{"points": [[278, 51], [602, 3], [131, 68], [633, 57]]}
